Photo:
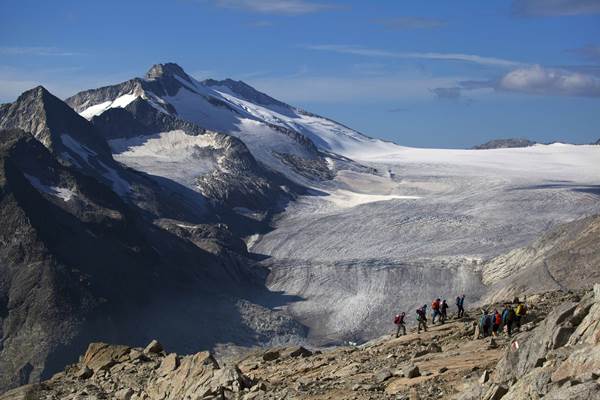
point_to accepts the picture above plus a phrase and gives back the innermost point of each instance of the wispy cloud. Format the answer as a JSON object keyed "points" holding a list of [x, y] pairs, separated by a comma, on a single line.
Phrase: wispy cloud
{"points": [[282, 7], [398, 110], [447, 93], [34, 51], [540, 80], [589, 52], [370, 52], [401, 23], [351, 89], [554, 8]]}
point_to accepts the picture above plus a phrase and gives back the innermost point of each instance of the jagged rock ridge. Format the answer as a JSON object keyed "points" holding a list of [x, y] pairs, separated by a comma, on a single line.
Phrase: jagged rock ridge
{"points": [[89, 243]]}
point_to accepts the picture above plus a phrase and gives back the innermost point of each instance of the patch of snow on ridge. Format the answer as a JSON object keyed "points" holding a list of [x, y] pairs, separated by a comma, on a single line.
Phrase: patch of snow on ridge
{"points": [[119, 185], [97, 109], [81, 150], [62, 193], [174, 155]]}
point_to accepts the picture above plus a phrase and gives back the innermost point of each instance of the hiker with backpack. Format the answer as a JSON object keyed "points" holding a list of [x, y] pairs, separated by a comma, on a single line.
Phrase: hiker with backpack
{"points": [[496, 323], [460, 304], [422, 318], [485, 324], [444, 311], [508, 316], [399, 321], [520, 313], [435, 311]]}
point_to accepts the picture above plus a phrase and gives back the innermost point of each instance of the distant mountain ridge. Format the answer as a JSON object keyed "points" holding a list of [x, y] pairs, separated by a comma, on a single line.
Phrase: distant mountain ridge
{"points": [[504, 144]]}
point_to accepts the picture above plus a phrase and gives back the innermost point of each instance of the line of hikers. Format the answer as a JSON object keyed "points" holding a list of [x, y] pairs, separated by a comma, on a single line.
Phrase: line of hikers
{"points": [[439, 310], [489, 323], [496, 322]]}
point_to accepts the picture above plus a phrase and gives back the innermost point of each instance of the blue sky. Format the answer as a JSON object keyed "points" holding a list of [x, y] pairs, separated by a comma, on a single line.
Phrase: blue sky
{"points": [[431, 74]]}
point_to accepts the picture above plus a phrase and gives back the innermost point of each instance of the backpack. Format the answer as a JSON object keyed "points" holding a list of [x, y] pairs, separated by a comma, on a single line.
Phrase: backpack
{"points": [[498, 320], [435, 305], [398, 319], [420, 314], [511, 315], [521, 309]]}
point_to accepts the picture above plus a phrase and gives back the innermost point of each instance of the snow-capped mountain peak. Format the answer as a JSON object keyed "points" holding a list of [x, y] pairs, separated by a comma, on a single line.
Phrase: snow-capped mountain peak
{"points": [[279, 135]]}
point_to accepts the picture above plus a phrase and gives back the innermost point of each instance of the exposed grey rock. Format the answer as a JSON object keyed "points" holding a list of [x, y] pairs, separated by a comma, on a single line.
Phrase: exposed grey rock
{"points": [[169, 364], [124, 394], [411, 371], [495, 392], [504, 143], [383, 375]]}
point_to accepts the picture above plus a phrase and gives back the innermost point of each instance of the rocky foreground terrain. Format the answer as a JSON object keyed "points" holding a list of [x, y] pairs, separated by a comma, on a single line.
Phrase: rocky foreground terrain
{"points": [[555, 356]]}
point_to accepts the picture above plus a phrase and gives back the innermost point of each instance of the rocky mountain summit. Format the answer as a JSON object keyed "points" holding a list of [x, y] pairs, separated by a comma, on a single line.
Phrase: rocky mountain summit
{"points": [[504, 144], [555, 356]]}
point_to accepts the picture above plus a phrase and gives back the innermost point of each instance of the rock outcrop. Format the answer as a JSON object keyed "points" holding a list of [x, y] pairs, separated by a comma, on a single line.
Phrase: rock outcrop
{"points": [[548, 263], [504, 143], [558, 359]]}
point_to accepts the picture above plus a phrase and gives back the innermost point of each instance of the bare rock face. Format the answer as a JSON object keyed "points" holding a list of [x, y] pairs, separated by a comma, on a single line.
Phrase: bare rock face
{"points": [[559, 359], [548, 263]]}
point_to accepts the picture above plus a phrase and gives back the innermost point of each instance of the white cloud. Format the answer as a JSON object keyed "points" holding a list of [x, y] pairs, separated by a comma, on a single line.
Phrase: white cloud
{"points": [[539, 80], [549, 8], [369, 52], [284, 7]]}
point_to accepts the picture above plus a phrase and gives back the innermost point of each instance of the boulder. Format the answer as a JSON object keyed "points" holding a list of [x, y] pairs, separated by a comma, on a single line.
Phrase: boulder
{"points": [[295, 351], [154, 347], [271, 355], [169, 364], [434, 348], [101, 356], [124, 394], [411, 371], [383, 375], [84, 372]]}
